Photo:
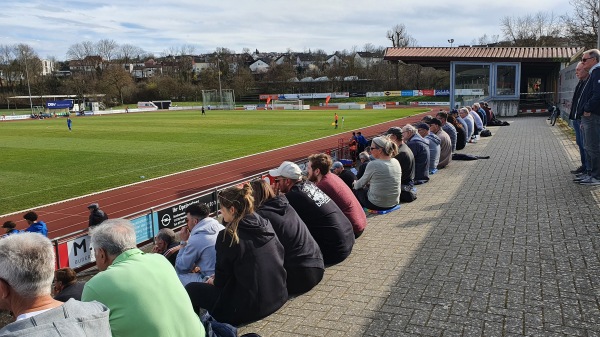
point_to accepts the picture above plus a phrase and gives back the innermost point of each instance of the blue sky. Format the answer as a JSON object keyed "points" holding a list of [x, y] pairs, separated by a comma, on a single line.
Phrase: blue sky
{"points": [[50, 27]]}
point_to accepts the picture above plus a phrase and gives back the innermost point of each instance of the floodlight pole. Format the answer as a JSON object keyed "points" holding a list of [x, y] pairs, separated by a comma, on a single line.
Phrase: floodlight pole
{"points": [[451, 41], [220, 90], [28, 86]]}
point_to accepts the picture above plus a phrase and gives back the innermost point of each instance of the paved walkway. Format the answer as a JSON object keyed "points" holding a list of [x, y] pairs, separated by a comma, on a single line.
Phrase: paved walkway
{"points": [[502, 247]]}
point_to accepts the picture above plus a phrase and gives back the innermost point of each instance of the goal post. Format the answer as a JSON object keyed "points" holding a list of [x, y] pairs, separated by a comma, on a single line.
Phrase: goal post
{"points": [[215, 99], [287, 104]]}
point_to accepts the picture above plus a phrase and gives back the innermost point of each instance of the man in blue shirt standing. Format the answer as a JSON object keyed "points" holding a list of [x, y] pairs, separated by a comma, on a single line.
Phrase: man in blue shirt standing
{"points": [[34, 225]]}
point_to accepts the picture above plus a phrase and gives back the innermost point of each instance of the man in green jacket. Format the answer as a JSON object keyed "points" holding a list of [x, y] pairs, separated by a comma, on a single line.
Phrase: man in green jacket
{"points": [[142, 291]]}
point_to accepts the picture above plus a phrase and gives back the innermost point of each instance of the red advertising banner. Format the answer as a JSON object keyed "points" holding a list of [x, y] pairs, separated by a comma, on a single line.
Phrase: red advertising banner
{"points": [[265, 96], [428, 92]]}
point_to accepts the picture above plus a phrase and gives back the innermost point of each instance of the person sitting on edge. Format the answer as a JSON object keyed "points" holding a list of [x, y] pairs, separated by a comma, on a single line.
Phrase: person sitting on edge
{"points": [[461, 133], [27, 265], [66, 285], [303, 261], [249, 280], [362, 142], [143, 292], [468, 119], [478, 124], [197, 257], [346, 175], [435, 127], [10, 228], [364, 158], [420, 150], [434, 146], [326, 222], [166, 243], [318, 167], [407, 164], [448, 127], [34, 225], [97, 216], [382, 176]]}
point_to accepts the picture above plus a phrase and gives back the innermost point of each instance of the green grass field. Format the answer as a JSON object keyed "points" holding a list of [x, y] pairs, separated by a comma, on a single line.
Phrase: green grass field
{"points": [[42, 162]]}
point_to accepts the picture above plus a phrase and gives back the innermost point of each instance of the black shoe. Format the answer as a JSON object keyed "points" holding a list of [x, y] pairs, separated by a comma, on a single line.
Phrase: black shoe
{"points": [[580, 169]]}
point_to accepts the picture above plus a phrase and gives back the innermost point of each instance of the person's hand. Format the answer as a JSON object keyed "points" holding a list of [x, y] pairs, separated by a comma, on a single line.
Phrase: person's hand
{"points": [[587, 114], [155, 249], [196, 270], [184, 233], [211, 280]]}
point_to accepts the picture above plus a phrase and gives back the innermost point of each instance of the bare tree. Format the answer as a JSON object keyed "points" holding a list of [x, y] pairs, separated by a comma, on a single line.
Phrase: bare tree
{"points": [[79, 51], [115, 80], [581, 26], [532, 30], [187, 49], [107, 49], [128, 52], [400, 37]]}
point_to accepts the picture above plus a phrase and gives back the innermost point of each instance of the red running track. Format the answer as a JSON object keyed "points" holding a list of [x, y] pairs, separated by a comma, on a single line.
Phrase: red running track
{"points": [[71, 215]]}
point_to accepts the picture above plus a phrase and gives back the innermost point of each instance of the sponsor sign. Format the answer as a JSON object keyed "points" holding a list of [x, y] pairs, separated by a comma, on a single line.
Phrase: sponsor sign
{"points": [[392, 93], [444, 92], [375, 94], [469, 92], [80, 252], [174, 216], [265, 96], [64, 104], [428, 92], [407, 93], [429, 103]]}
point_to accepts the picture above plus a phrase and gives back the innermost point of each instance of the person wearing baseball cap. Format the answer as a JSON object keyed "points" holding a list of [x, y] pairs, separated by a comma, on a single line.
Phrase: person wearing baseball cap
{"points": [[326, 222]]}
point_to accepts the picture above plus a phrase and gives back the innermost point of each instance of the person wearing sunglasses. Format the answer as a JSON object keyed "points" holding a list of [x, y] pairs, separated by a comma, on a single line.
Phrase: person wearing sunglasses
{"points": [[589, 104]]}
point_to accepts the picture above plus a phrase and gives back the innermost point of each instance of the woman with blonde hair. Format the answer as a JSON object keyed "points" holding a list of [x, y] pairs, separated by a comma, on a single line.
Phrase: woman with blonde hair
{"points": [[303, 260], [379, 187], [249, 280]]}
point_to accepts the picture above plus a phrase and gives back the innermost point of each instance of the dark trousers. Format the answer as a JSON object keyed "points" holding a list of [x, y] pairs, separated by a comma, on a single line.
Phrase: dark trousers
{"points": [[203, 295], [302, 279], [363, 199]]}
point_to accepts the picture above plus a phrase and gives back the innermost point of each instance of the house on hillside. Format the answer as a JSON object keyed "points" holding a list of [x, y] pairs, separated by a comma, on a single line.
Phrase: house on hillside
{"points": [[367, 59], [88, 64], [47, 67], [259, 66]]}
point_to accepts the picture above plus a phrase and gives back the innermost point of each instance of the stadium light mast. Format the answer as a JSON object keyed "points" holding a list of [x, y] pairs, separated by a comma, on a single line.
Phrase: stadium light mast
{"points": [[451, 41], [28, 86], [220, 90]]}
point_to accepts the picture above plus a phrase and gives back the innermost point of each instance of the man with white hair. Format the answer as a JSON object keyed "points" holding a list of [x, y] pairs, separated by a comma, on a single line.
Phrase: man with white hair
{"points": [[420, 150], [143, 291], [26, 272]]}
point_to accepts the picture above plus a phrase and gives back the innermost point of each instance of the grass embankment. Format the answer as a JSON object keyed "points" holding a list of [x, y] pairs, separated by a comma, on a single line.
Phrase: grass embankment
{"points": [[43, 162]]}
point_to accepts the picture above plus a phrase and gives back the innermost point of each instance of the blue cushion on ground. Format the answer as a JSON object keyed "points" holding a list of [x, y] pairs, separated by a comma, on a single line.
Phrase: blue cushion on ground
{"points": [[372, 211]]}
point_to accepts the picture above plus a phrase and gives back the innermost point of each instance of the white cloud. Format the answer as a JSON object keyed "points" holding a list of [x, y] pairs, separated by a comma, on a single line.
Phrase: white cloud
{"points": [[266, 25]]}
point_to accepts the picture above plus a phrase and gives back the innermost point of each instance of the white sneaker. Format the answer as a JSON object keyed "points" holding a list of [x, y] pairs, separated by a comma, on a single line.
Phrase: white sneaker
{"points": [[591, 181]]}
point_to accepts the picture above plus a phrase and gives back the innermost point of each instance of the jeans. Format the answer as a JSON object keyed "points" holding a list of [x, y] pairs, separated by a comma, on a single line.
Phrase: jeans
{"points": [[591, 139], [580, 142]]}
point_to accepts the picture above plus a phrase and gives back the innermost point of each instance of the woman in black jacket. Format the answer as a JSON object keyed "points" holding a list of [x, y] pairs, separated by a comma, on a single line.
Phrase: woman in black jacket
{"points": [[303, 260], [249, 280]]}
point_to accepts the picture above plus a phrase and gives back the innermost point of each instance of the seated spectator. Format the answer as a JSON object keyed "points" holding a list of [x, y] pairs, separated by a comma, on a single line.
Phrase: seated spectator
{"points": [[434, 146], [362, 142], [166, 243], [318, 167], [303, 261], [197, 256], [353, 146], [34, 225], [249, 280], [326, 222], [382, 176], [461, 134], [364, 158], [26, 271], [448, 128], [477, 122], [141, 290], [97, 216], [420, 150], [10, 228], [468, 119], [407, 164], [66, 285], [435, 127], [481, 113], [346, 175]]}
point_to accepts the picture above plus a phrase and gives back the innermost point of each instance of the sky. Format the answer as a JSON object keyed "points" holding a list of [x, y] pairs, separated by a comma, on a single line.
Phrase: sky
{"points": [[52, 26]]}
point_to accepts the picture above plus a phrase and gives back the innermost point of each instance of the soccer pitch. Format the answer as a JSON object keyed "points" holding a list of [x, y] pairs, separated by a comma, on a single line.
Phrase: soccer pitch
{"points": [[42, 162]]}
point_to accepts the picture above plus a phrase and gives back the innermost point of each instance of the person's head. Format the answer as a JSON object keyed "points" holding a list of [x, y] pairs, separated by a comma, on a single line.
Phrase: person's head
{"points": [[318, 165], [31, 217], [476, 106], [382, 147], [164, 238], [363, 156], [337, 168], [435, 125], [286, 175], [590, 58], [261, 191], [408, 131], [426, 119], [423, 129], [235, 202], [93, 207], [26, 268], [452, 120], [195, 213], [580, 71], [359, 133], [110, 239], [463, 112], [63, 278], [442, 116], [395, 134], [9, 225]]}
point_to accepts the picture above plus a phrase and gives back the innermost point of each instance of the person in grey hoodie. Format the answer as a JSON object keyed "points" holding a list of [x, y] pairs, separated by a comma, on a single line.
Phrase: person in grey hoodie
{"points": [[26, 272], [197, 257]]}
